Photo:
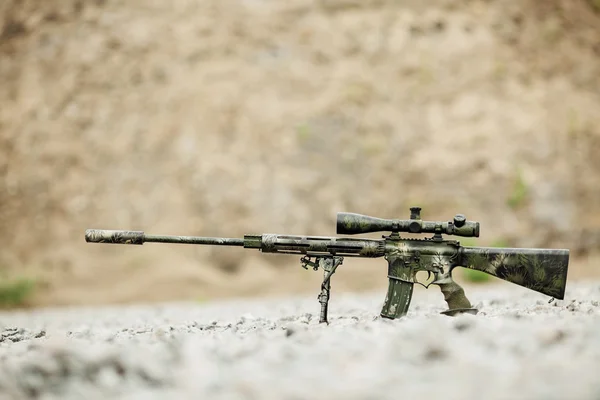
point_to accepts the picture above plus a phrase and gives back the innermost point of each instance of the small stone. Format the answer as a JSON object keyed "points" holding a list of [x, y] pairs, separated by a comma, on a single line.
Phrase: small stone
{"points": [[573, 306], [435, 353], [305, 319], [551, 337], [463, 325]]}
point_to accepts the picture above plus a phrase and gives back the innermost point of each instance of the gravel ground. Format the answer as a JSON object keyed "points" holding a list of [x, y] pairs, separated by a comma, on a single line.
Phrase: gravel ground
{"points": [[518, 347]]}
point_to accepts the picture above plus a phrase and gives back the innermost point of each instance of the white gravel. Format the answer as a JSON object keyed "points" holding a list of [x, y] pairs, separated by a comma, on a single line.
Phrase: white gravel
{"points": [[517, 347]]}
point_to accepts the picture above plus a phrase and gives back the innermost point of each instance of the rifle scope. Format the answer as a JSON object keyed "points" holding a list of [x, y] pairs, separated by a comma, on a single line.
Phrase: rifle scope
{"points": [[352, 224]]}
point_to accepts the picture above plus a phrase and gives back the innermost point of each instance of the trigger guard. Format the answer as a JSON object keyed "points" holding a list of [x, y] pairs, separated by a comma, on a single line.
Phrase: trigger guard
{"points": [[429, 284]]}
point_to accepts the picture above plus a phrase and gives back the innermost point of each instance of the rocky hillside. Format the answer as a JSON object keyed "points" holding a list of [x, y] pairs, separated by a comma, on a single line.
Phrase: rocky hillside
{"points": [[225, 117]]}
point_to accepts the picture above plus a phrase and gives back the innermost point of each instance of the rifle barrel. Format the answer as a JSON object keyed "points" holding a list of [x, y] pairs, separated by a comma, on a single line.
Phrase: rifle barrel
{"points": [[138, 237], [216, 241]]}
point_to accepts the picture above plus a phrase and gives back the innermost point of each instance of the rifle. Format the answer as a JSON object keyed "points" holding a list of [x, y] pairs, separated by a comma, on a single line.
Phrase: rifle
{"points": [[541, 270]]}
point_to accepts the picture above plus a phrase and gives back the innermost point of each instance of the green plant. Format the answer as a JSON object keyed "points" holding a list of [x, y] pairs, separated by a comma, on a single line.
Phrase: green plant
{"points": [[519, 191], [475, 276], [468, 241], [373, 147], [303, 133], [426, 75], [359, 92], [573, 125], [552, 30], [500, 70], [200, 299], [16, 292], [500, 242]]}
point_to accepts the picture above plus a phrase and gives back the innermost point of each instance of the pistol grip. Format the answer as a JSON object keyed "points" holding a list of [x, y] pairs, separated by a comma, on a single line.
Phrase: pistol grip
{"points": [[456, 299], [398, 299]]}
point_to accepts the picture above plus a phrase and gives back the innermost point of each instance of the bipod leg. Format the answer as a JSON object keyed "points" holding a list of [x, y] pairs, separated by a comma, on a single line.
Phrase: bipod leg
{"points": [[329, 265]]}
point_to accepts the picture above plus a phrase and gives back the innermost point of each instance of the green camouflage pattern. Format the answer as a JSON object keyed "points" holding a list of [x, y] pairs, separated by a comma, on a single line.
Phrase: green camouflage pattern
{"points": [[454, 295], [328, 265], [397, 300], [542, 270], [315, 245], [402, 269], [352, 224], [406, 257], [111, 236], [138, 237]]}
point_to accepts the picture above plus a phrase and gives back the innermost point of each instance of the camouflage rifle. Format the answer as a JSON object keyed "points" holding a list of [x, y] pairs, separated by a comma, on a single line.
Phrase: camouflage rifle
{"points": [[541, 270]]}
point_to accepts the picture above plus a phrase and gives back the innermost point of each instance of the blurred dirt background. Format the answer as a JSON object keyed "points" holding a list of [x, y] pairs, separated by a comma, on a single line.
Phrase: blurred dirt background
{"points": [[226, 117]]}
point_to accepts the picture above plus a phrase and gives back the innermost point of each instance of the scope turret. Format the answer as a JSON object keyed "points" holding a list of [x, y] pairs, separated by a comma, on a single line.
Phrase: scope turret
{"points": [[352, 224]]}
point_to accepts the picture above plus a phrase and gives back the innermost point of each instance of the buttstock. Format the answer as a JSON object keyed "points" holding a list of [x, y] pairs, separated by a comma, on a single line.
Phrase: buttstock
{"points": [[541, 270]]}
